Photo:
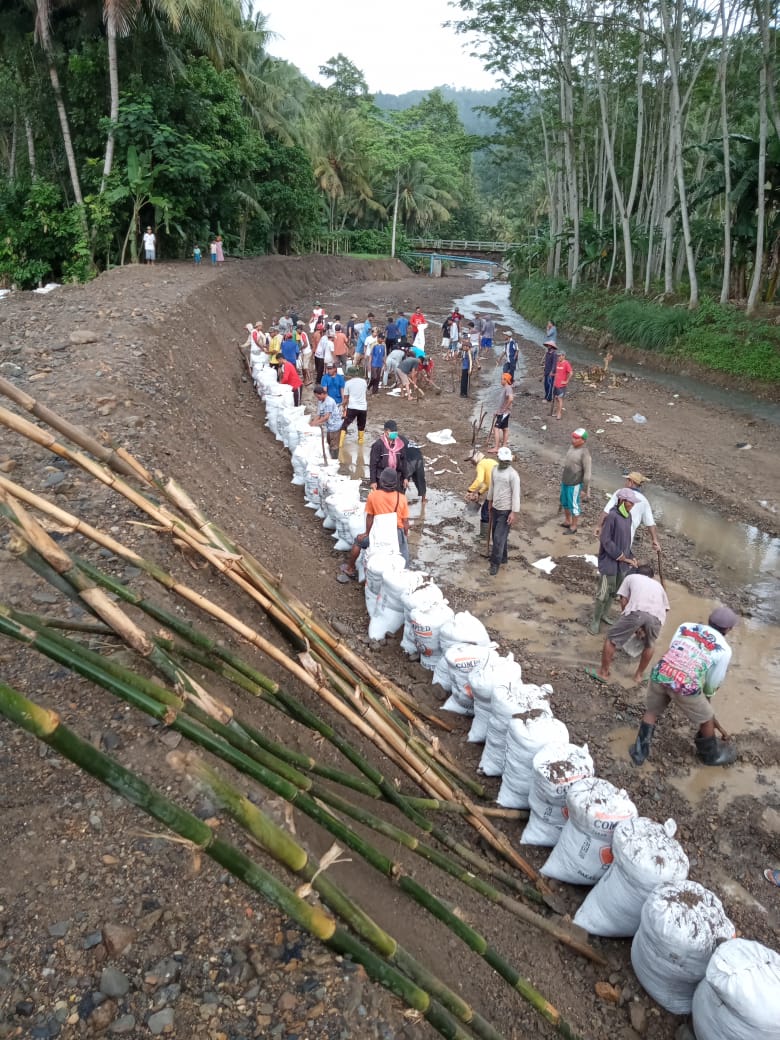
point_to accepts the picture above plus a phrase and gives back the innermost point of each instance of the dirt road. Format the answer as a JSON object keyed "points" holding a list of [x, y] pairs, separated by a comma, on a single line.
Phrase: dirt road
{"points": [[155, 366]]}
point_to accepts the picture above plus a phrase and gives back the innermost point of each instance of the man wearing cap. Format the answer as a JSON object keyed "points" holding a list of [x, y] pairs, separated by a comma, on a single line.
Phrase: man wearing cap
{"points": [[329, 416], [150, 245], [480, 485], [504, 503], [645, 605], [640, 514], [615, 556], [386, 498], [689, 675], [387, 452], [575, 480]]}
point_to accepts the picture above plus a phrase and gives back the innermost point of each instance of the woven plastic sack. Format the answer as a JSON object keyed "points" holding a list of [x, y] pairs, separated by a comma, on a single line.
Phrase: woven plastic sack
{"points": [[584, 850], [524, 737], [425, 595], [463, 628], [494, 671], [426, 623], [462, 659], [680, 927], [508, 701], [739, 996], [555, 768], [383, 621], [645, 855]]}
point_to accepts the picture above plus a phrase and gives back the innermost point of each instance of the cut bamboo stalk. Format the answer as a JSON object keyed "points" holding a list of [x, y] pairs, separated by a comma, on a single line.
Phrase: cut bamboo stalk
{"points": [[47, 727], [115, 459]]}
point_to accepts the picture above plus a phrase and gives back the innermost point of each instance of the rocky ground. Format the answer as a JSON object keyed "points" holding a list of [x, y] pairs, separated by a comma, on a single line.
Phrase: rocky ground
{"points": [[108, 927]]}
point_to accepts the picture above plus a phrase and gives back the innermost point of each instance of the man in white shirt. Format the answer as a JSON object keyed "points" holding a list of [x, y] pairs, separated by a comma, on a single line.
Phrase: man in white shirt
{"points": [[640, 514], [645, 606], [504, 498]]}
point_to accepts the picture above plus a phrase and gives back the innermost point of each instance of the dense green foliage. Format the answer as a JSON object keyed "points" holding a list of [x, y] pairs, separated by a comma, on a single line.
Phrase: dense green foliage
{"points": [[716, 336]]}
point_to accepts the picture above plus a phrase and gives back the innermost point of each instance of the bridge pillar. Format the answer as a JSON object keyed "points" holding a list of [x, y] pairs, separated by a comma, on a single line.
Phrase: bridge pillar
{"points": [[435, 271]]}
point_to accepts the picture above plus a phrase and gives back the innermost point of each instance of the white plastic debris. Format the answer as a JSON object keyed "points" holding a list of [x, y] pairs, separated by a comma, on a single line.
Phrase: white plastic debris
{"points": [[441, 437], [546, 564], [587, 557], [639, 418], [614, 418], [47, 288]]}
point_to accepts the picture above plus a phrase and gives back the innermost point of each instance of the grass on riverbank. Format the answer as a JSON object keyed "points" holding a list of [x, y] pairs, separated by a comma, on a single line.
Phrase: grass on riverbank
{"points": [[720, 338]]}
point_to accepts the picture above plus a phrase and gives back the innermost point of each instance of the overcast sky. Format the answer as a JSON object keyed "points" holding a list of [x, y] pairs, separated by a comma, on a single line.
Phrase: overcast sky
{"points": [[398, 45]]}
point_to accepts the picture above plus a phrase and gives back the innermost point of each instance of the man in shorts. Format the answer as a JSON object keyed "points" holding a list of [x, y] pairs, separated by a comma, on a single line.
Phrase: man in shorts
{"points": [[150, 245], [575, 480], [406, 372], [688, 675], [644, 608], [386, 498], [328, 416], [563, 373]]}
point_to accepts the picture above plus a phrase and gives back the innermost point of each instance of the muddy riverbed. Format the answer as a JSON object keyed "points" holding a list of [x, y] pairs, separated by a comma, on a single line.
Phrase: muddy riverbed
{"points": [[162, 375]]}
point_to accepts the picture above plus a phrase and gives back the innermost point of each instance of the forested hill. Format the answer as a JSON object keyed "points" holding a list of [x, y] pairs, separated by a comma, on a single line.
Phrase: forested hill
{"points": [[467, 101]]}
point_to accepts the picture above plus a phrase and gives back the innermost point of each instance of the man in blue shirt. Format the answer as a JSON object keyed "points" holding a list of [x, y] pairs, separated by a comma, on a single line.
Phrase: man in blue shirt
{"points": [[402, 323], [290, 349], [378, 355], [392, 334], [333, 383]]}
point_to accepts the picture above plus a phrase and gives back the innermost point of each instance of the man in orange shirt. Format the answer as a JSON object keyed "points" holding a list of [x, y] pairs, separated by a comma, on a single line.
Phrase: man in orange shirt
{"points": [[340, 344], [387, 498]]}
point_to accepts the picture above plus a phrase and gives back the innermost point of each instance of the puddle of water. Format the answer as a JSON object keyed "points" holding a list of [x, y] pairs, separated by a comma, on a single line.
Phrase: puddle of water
{"points": [[715, 784]]}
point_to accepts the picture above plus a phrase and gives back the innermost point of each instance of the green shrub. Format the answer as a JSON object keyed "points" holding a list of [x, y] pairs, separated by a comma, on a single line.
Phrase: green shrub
{"points": [[650, 326]]}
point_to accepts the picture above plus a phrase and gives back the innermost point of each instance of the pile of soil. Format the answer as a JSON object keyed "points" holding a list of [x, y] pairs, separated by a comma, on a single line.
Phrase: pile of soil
{"points": [[149, 358]]}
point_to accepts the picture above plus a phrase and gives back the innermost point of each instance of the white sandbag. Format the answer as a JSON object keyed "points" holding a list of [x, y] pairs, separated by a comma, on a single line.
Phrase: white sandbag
{"points": [[463, 628], [555, 768], [397, 584], [524, 737], [289, 417], [426, 624], [494, 671], [462, 659], [335, 488], [308, 450], [513, 699], [376, 564], [424, 595], [584, 849], [345, 510], [311, 488], [441, 673], [645, 855], [739, 996], [680, 926]]}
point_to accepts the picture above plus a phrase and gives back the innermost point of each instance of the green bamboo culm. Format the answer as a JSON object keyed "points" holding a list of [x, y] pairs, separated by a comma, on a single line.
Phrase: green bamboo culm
{"points": [[45, 725], [284, 848]]}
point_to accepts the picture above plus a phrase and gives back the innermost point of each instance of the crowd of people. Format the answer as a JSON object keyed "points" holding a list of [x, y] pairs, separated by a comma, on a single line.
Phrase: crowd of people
{"points": [[347, 363]]}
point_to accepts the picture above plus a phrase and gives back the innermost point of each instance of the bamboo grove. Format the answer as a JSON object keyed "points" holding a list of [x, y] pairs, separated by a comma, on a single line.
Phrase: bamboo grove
{"points": [[387, 745]]}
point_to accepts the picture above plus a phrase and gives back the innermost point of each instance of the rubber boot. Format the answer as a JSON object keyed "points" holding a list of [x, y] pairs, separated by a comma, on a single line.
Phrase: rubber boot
{"points": [[361, 436], [714, 752], [640, 749], [598, 612], [342, 438]]}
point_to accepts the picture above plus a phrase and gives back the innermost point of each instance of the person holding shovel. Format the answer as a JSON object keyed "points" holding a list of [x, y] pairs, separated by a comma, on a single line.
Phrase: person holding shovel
{"points": [[407, 375], [480, 485], [615, 557], [504, 503], [329, 418], [465, 368], [640, 514], [689, 675]]}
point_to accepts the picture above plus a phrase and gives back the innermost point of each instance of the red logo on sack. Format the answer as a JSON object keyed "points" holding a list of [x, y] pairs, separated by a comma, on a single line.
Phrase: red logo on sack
{"points": [[605, 855]]}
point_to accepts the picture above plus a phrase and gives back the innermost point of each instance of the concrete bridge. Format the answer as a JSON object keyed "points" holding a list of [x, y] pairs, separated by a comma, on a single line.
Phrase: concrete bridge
{"points": [[460, 246]]}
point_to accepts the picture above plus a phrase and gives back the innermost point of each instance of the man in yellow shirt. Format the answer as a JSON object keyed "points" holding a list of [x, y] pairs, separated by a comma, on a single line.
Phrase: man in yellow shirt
{"points": [[479, 486]]}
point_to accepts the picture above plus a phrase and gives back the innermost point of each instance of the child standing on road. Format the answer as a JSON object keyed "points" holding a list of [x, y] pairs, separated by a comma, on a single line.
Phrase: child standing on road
{"points": [[563, 371], [213, 251], [196, 254]]}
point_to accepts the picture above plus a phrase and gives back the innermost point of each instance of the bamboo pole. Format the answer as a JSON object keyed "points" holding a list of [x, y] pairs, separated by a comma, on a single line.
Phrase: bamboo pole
{"points": [[366, 718], [47, 727]]}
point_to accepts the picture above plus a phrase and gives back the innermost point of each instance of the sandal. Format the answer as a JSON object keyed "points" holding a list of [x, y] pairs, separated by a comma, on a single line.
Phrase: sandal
{"points": [[772, 876], [593, 674]]}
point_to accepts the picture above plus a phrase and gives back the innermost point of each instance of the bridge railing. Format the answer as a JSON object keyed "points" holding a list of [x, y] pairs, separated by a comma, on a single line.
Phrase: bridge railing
{"points": [[464, 245]]}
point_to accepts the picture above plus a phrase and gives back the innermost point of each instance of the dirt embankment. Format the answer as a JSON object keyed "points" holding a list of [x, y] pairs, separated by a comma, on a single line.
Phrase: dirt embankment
{"points": [[160, 373]]}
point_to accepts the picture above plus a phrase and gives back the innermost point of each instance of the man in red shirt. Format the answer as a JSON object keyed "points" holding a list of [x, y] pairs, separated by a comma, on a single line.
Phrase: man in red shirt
{"points": [[563, 371], [416, 320], [288, 375], [387, 498]]}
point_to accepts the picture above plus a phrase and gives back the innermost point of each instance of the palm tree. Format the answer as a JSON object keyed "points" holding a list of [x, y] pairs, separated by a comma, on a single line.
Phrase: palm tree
{"points": [[336, 145], [416, 201], [118, 16], [43, 37]]}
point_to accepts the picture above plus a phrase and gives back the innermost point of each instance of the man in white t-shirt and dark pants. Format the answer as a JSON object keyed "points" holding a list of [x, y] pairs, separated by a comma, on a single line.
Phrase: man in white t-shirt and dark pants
{"points": [[641, 513]]}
